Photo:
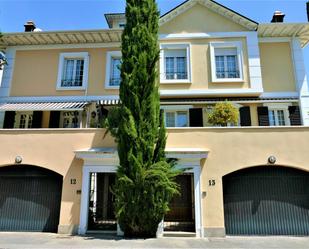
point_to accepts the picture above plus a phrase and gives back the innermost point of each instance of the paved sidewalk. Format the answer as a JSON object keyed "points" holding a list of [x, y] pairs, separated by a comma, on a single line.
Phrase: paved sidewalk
{"points": [[56, 241]]}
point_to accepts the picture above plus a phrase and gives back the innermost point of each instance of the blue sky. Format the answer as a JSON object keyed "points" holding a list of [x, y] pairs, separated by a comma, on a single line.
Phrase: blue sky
{"points": [[89, 14]]}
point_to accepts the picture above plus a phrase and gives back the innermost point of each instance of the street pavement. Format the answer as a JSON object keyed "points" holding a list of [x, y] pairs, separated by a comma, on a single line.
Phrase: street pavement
{"points": [[56, 241]]}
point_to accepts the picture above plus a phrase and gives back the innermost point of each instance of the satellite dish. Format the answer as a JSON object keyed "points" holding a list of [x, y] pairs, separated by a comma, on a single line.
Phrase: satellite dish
{"points": [[37, 30]]}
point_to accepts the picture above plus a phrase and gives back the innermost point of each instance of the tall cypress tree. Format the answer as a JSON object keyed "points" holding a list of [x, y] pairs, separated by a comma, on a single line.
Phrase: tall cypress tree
{"points": [[145, 180]]}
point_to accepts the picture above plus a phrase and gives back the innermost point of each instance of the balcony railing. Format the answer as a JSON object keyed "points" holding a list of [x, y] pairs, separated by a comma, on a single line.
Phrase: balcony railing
{"points": [[71, 83], [176, 75], [114, 81], [228, 74]]}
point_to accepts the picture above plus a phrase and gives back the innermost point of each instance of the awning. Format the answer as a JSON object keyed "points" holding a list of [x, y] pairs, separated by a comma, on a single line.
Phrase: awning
{"points": [[64, 106]]}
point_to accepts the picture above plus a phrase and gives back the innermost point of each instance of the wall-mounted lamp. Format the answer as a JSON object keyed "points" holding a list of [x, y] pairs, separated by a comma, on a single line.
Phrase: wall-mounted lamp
{"points": [[18, 159], [272, 159]]}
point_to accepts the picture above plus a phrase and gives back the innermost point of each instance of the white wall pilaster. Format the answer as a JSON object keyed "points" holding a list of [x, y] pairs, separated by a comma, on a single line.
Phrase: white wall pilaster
{"points": [[255, 72], [301, 79], [5, 87]]}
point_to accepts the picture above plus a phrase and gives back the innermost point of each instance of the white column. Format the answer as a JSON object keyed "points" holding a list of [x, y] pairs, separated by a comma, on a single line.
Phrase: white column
{"points": [[301, 79], [7, 72], [255, 72], [2, 114], [197, 199], [84, 202]]}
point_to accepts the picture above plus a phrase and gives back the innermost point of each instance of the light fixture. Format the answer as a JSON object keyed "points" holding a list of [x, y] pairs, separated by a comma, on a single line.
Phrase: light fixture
{"points": [[18, 159], [272, 159]]}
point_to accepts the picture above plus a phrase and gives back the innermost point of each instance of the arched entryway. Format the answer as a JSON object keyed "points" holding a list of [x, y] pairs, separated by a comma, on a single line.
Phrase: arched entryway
{"points": [[266, 200], [30, 199]]}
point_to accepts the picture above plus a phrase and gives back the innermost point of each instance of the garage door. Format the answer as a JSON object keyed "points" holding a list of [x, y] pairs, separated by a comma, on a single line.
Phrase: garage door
{"points": [[266, 201], [29, 199]]}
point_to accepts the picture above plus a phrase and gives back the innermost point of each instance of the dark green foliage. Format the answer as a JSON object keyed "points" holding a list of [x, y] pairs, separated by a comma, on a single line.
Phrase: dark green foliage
{"points": [[145, 180]]}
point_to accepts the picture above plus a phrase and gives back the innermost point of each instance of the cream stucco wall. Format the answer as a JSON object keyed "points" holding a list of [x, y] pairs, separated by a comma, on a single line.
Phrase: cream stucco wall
{"points": [[54, 150], [230, 149], [200, 19], [35, 73], [277, 67], [201, 66]]}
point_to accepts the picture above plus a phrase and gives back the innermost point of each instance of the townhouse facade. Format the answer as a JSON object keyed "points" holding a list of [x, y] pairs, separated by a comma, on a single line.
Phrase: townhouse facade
{"points": [[57, 165]]}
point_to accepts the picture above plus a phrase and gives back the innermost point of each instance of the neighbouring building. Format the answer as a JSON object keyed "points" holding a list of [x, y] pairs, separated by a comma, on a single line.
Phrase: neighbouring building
{"points": [[57, 165]]}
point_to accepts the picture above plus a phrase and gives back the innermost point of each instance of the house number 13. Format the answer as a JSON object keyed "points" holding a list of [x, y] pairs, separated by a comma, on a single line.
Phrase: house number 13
{"points": [[212, 183]]}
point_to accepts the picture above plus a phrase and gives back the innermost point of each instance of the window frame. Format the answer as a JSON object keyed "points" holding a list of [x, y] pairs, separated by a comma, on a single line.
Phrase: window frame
{"points": [[279, 107], [175, 109], [175, 46], [109, 57], [239, 52], [18, 118], [62, 119], [78, 55]]}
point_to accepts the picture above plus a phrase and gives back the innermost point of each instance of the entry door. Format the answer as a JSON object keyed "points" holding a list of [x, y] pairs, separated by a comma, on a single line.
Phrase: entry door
{"points": [[267, 201], [101, 214], [30, 199], [181, 216]]}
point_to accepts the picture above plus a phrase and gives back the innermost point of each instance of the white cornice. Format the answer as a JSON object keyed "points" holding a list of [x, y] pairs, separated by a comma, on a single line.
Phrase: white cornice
{"points": [[206, 93], [35, 99], [213, 6]]}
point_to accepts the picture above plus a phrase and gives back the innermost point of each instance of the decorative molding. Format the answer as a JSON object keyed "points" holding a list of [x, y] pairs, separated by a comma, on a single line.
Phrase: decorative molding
{"points": [[213, 6], [36, 99], [302, 83], [109, 56], [240, 60], [68, 46], [185, 46], [279, 95], [211, 92], [7, 75], [106, 160], [75, 55], [274, 39], [211, 35]]}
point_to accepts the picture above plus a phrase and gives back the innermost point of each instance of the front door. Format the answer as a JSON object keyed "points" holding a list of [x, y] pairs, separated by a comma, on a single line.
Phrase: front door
{"points": [[181, 217], [101, 215]]}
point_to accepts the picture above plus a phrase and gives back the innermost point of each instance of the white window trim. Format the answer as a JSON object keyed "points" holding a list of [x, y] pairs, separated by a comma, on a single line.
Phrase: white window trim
{"points": [[175, 109], [80, 119], [18, 116], [239, 48], [177, 46], [281, 106], [109, 56], [64, 56]]}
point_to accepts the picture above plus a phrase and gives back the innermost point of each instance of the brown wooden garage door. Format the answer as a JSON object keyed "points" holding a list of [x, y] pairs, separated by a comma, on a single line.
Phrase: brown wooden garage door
{"points": [[30, 199], [267, 201]]}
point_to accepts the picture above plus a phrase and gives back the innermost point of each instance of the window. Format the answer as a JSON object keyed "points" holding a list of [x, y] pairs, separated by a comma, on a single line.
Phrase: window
{"points": [[23, 120], [70, 119], [73, 71], [175, 63], [278, 114], [176, 119], [276, 118], [226, 61], [113, 63]]}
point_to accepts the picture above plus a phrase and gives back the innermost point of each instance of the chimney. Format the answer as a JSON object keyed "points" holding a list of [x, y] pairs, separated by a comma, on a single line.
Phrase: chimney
{"points": [[278, 16], [29, 26], [308, 11]]}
